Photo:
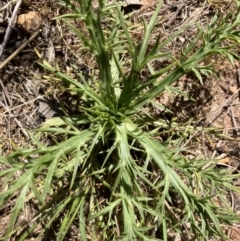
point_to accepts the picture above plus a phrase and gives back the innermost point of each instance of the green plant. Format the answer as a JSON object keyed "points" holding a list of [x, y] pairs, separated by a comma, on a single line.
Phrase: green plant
{"points": [[104, 169]]}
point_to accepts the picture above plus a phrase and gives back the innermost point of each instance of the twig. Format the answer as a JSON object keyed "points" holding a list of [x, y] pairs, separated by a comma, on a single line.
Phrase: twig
{"points": [[6, 93], [177, 218], [217, 146], [117, 226], [203, 144], [217, 112], [234, 120], [10, 26], [220, 142], [6, 5], [22, 129], [16, 52], [170, 21], [25, 103], [238, 81]]}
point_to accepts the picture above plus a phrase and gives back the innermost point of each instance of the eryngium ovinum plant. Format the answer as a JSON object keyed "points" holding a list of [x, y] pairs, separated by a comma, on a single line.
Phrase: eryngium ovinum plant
{"points": [[104, 171]]}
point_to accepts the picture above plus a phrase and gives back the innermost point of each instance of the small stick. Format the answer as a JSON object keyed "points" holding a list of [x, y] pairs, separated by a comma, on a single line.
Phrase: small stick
{"points": [[217, 146], [6, 93], [217, 112], [6, 5], [233, 118], [179, 9], [10, 26], [17, 51], [238, 80], [117, 226], [22, 129], [25, 103]]}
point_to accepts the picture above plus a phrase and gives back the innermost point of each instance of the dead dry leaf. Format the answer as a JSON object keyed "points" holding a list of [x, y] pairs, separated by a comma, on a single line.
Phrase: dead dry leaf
{"points": [[48, 109], [225, 160], [234, 234]]}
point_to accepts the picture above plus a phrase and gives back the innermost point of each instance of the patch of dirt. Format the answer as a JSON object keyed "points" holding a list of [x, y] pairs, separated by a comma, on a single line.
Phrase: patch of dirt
{"points": [[25, 86]]}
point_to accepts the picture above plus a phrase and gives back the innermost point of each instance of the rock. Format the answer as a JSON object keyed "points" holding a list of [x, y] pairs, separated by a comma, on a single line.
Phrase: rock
{"points": [[30, 22]]}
